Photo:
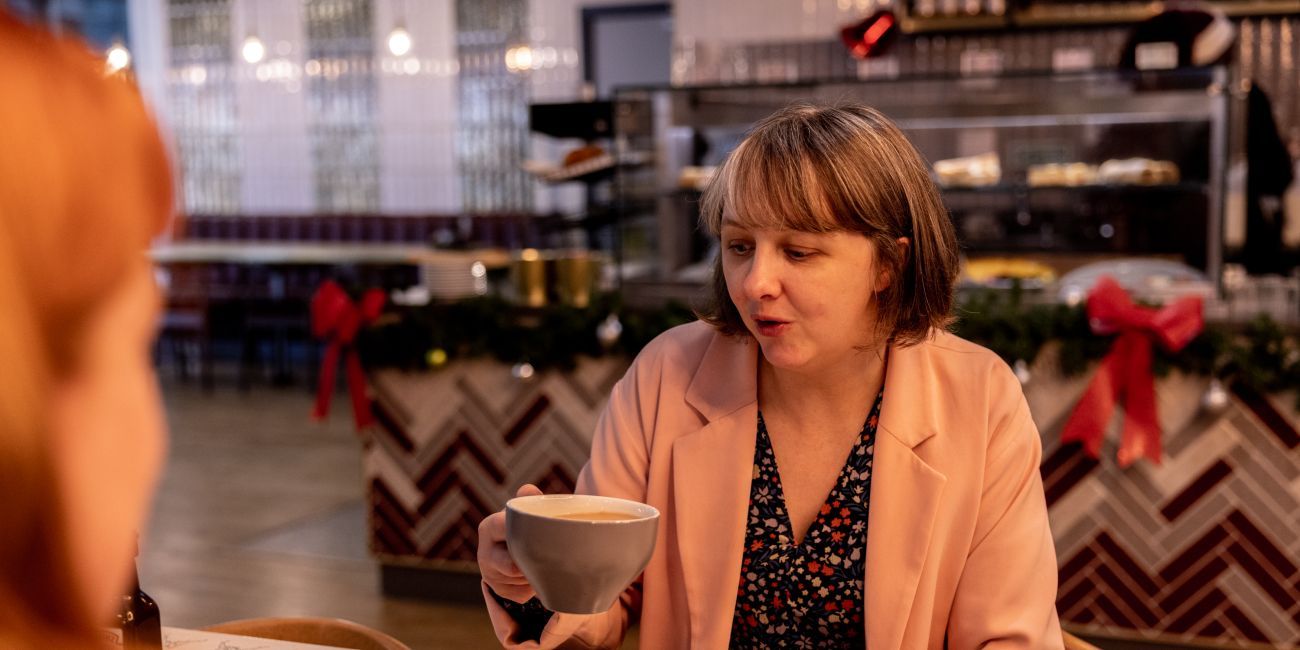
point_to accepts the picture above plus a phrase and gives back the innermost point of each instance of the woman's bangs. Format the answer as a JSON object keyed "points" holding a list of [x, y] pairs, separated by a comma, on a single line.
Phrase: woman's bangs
{"points": [[767, 190]]}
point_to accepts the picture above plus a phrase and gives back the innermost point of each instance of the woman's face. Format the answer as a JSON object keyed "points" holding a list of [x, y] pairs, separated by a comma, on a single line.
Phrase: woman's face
{"points": [[808, 298], [109, 438]]}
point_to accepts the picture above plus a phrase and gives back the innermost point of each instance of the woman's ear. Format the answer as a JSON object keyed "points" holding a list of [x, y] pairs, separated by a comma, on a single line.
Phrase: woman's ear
{"points": [[886, 276]]}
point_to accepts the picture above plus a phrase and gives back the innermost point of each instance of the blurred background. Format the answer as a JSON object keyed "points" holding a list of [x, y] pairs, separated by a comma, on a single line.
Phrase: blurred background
{"points": [[517, 182]]}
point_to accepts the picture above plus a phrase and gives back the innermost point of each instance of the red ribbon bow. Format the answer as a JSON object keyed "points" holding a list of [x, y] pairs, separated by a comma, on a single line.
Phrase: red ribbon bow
{"points": [[1125, 372], [336, 319]]}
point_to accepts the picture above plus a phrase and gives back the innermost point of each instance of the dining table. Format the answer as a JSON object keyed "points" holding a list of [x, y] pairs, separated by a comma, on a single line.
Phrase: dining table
{"points": [[185, 639], [305, 253]]}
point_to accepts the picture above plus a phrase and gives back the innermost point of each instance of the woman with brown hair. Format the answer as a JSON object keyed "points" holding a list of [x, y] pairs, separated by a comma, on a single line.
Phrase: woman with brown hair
{"points": [[826, 342], [84, 186]]}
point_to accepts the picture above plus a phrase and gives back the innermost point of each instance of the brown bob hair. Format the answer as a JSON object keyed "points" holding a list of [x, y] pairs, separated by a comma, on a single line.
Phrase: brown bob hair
{"points": [[841, 168]]}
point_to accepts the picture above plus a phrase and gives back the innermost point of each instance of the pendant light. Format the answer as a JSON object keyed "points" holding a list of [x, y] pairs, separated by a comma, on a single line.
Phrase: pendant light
{"points": [[399, 40], [253, 50]]}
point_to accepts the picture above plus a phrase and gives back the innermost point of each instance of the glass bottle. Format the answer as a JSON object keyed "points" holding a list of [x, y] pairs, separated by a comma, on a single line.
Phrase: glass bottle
{"points": [[141, 626]]}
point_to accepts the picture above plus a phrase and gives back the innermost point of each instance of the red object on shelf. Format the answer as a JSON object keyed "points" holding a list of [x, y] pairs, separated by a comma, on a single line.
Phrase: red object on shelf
{"points": [[872, 36]]}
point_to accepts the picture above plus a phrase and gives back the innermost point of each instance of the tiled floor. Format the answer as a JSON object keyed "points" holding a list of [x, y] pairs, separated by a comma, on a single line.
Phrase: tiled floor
{"points": [[261, 513]]}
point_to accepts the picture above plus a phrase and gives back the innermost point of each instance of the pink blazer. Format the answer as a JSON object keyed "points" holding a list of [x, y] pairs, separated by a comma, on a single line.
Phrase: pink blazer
{"points": [[958, 544]]}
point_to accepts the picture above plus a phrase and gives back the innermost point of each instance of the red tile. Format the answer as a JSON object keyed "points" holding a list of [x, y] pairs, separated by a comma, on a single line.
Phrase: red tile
{"points": [[1072, 597], [1065, 480], [1062, 456], [1076, 564], [382, 497], [1116, 615], [1197, 489], [1140, 606], [1244, 625], [1261, 542], [1258, 404], [1186, 587], [535, 410], [1198, 612], [1125, 563], [1252, 566], [1193, 554], [1211, 628], [389, 425]]}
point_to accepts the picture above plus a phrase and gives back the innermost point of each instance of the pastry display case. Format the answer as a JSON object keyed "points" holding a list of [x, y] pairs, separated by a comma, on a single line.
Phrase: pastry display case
{"points": [[1060, 170]]}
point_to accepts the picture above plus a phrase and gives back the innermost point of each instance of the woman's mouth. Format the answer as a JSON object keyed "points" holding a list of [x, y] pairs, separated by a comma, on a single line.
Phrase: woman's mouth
{"points": [[770, 326]]}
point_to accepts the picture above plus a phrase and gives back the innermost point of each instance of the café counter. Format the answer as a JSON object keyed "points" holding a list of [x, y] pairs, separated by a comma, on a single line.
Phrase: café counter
{"points": [[1204, 545]]}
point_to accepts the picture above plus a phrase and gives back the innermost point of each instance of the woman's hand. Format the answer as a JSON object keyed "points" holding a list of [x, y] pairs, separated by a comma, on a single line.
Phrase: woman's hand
{"points": [[494, 562]]}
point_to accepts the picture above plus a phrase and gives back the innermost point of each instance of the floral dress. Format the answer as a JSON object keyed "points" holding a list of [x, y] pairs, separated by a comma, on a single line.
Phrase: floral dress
{"points": [[806, 595]]}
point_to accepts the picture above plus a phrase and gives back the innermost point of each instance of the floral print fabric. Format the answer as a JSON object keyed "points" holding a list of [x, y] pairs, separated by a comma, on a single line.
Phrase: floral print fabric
{"points": [[806, 595]]}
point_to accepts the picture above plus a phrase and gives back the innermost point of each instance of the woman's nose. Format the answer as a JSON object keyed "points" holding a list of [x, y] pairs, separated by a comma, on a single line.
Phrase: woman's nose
{"points": [[763, 279]]}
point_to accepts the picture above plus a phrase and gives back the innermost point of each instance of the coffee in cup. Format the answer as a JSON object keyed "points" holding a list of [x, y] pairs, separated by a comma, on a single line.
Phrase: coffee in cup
{"points": [[579, 552]]}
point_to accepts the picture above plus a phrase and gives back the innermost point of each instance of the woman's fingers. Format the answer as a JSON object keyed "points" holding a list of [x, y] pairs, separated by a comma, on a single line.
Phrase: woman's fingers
{"points": [[492, 530], [503, 563], [495, 563]]}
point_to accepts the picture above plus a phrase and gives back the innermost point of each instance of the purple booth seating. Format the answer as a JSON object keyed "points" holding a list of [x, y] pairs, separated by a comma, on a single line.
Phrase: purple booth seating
{"points": [[506, 230]]}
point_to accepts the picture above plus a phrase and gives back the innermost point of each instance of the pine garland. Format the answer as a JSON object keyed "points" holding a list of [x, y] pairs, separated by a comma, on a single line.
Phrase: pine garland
{"points": [[549, 337], [1260, 353]]}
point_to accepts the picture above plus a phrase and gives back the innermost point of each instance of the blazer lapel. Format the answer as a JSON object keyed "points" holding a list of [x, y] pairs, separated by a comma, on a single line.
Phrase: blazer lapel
{"points": [[905, 495], [712, 470]]}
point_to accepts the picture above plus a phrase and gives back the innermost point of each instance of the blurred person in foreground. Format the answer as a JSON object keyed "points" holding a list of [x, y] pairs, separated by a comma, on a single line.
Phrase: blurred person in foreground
{"points": [[827, 341], [84, 186]]}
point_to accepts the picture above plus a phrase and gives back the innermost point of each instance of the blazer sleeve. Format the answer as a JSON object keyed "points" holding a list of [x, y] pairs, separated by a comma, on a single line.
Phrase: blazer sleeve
{"points": [[618, 468], [1006, 596]]}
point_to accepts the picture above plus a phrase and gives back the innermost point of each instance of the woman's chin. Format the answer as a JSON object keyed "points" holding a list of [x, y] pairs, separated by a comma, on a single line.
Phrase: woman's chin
{"points": [[781, 357]]}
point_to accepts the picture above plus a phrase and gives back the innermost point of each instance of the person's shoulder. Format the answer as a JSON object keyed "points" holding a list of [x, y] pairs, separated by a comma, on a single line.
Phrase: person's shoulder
{"points": [[965, 357], [679, 344], [976, 384]]}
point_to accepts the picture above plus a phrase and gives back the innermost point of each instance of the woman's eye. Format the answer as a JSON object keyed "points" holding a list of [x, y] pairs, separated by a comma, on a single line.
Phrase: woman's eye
{"points": [[739, 248], [797, 255]]}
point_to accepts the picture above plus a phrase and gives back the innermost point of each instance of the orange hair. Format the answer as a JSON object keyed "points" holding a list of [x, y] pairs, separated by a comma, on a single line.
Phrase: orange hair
{"points": [[84, 185]]}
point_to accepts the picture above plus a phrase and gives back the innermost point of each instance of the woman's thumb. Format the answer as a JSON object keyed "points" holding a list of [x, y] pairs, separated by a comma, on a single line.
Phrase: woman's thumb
{"points": [[527, 490]]}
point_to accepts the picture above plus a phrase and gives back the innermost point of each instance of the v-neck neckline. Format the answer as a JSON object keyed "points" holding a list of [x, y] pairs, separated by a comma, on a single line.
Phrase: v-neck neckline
{"points": [[779, 485]]}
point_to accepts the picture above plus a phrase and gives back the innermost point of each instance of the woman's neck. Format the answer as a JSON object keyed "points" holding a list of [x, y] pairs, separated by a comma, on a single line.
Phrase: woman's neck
{"points": [[838, 390]]}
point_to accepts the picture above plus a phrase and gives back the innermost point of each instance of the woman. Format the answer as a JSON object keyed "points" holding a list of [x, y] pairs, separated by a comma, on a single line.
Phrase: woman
{"points": [[826, 342], [84, 186]]}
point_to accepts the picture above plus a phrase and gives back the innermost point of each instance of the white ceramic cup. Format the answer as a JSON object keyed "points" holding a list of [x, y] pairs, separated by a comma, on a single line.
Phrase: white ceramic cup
{"points": [[579, 566]]}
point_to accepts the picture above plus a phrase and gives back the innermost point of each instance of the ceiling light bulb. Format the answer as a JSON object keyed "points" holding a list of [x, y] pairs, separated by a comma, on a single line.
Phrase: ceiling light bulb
{"points": [[119, 58], [253, 50], [399, 41], [519, 58]]}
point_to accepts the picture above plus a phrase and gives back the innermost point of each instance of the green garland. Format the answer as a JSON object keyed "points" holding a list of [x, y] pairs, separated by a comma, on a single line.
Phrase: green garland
{"points": [[549, 337], [1261, 353]]}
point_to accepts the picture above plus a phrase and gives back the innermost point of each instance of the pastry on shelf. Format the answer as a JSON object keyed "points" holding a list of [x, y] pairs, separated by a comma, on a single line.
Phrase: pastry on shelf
{"points": [[997, 271], [582, 154], [695, 178], [582, 164], [1062, 175], [578, 163], [971, 171], [1138, 171]]}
